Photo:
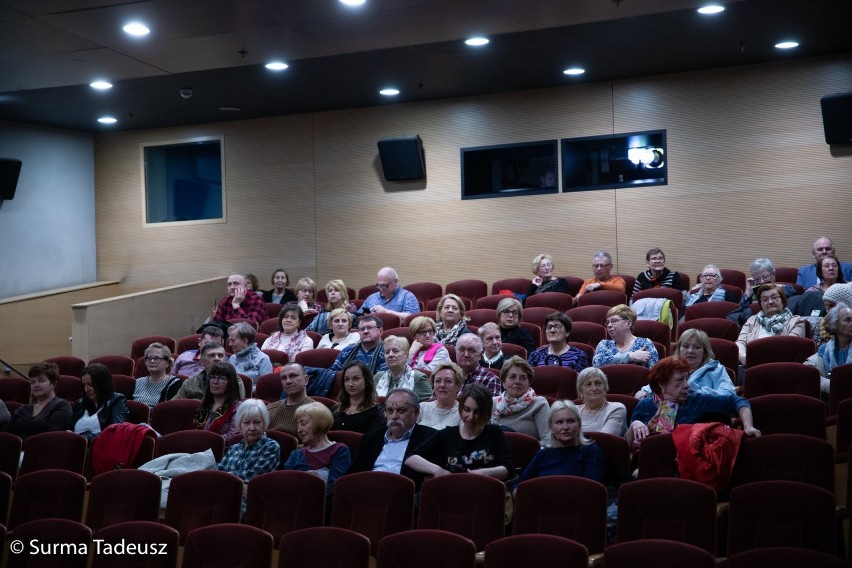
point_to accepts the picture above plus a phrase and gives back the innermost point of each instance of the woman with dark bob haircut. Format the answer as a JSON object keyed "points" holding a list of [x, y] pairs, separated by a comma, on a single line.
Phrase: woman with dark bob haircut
{"points": [[474, 445], [101, 405], [557, 330], [673, 403], [218, 410], [359, 409], [47, 412]]}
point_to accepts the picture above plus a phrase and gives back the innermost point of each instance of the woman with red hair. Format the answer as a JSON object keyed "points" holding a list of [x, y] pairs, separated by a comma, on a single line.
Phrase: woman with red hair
{"points": [[672, 403]]}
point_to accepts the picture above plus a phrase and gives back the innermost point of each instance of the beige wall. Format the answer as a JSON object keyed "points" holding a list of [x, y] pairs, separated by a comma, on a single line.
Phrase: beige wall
{"points": [[749, 175]]}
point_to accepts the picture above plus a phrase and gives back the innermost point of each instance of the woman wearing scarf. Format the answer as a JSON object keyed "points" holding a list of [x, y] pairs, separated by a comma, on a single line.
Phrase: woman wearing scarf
{"points": [[835, 352], [400, 374], [451, 320], [425, 351], [289, 338], [519, 408], [710, 289], [773, 319], [673, 403], [218, 411]]}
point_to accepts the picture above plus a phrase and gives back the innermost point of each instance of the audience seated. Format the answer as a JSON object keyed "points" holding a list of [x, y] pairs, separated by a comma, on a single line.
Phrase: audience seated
{"points": [[545, 281], [189, 362], [318, 455], [807, 275], [624, 347], [101, 405], [218, 410], [491, 341], [239, 303], [773, 319], [247, 359], [399, 373], [306, 296], [47, 412], [518, 407], [425, 352], [596, 413], [289, 338], [196, 385], [602, 280], [341, 334], [509, 316], [451, 320], [444, 410], [710, 289], [762, 272], [282, 413], [359, 409], [391, 297], [558, 351], [834, 352], [338, 297], [469, 356], [657, 275], [279, 293], [159, 385]]}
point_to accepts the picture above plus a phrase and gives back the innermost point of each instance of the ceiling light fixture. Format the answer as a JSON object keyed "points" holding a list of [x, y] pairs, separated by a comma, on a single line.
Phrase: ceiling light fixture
{"points": [[101, 85], [277, 66], [107, 120], [710, 9], [574, 71], [352, 2], [137, 29], [787, 44], [391, 92], [477, 41]]}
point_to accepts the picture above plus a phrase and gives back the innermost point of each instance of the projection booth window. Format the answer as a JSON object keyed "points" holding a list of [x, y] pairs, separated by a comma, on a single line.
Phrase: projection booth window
{"points": [[183, 181]]}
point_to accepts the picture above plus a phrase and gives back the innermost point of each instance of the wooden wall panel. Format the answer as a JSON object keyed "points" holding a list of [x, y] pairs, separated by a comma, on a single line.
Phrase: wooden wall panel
{"points": [[750, 175]]}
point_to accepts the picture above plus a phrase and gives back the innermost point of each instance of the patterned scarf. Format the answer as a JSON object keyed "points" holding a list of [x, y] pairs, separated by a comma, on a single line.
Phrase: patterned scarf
{"points": [[448, 337], [774, 324], [664, 419], [718, 296], [506, 405]]}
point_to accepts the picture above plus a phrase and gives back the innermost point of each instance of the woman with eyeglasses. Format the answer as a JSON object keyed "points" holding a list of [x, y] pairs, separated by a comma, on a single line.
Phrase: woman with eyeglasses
{"points": [[218, 411], [425, 352], [710, 289], [624, 347], [159, 385], [658, 275], [545, 281], [773, 319], [557, 327], [509, 316]]}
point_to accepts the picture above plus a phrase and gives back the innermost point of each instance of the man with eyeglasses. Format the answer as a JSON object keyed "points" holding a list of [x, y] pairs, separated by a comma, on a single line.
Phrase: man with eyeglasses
{"points": [[468, 352], [387, 450], [196, 385], [189, 362], [369, 350], [602, 280], [823, 246], [390, 298]]}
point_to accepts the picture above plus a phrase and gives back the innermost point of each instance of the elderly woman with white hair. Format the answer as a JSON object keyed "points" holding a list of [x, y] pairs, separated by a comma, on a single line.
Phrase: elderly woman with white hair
{"points": [[597, 413], [545, 281], [247, 359], [834, 352], [256, 453], [399, 373], [710, 289], [425, 351], [762, 272], [510, 312]]}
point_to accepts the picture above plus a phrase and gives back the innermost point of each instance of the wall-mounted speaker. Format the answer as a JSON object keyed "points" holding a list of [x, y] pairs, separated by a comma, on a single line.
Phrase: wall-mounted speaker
{"points": [[10, 169], [402, 158], [837, 118]]}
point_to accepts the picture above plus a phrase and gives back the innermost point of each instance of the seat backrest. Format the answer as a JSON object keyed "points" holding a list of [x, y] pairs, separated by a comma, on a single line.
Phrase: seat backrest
{"points": [[535, 550], [268, 387], [323, 547], [490, 302], [789, 348], [779, 378], [279, 512], [137, 348], [557, 301], [215, 545], [608, 298], [117, 364], [516, 285], [512, 350], [174, 415], [425, 291], [653, 553], [840, 387], [574, 284], [187, 343], [278, 357], [15, 389], [617, 452], [587, 332], [789, 457], [268, 326], [726, 352], [552, 380], [523, 447], [159, 537], [54, 450], [470, 288], [190, 442], [45, 494], [201, 498], [593, 313], [426, 548], [783, 557], [789, 414], [373, 503], [351, 439], [673, 294], [140, 413], [625, 378], [68, 365], [714, 327], [734, 277], [657, 455], [466, 504], [69, 388], [123, 495], [10, 455], [410, 318], [534, 331], [562, 505], [786, 274], [655, 331], [669, 508], [399, 332], [709, 310], [479, 317], [287, 442], [585, 348], [53, 534], [537, 315]]}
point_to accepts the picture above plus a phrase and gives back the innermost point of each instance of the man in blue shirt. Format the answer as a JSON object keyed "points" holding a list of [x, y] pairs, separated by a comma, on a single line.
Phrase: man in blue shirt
{"points": [[823, 247], [391, 297]]}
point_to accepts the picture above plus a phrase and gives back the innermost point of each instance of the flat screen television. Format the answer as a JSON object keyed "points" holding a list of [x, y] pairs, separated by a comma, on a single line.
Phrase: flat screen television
{"points": [[523, 168], [613, 161]]}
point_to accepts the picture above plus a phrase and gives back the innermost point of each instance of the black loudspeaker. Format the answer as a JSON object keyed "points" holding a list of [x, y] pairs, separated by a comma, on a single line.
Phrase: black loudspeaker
{"points": [[837, 118], [9, 171], [402, 158]]}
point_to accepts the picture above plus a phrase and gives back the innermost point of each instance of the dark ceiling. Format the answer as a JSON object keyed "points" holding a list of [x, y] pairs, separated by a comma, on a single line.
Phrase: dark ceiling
{"points": [[339, 57]]}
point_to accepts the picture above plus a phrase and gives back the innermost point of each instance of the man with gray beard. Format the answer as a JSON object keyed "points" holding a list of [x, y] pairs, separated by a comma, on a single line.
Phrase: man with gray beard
{"points": [[386, 450]]}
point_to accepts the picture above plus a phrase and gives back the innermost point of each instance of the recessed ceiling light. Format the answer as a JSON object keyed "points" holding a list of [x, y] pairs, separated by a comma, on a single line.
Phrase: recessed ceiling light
{"points": [[574, 71], [389, 92], [101, 85], [352, 2], [230, 109], [277, 66], [787, 44], [477, 41], [137, 29], [107, 120], [711, 9]]}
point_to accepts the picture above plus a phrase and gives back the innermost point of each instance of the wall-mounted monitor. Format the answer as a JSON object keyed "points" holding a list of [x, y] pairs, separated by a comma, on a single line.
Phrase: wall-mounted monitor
{"points": [[525, 168], [612, 161]]}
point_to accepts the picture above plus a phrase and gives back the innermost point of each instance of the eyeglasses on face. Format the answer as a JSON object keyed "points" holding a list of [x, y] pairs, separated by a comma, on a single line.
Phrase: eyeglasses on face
{"points": [[384, 285], [710, 275], [513, 313], [154, 359]]}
